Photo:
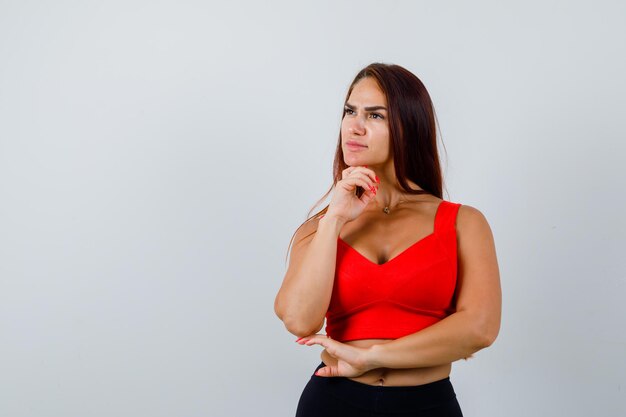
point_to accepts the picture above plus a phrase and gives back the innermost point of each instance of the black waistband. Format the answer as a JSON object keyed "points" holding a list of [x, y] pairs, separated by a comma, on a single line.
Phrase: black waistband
{"points": [[423, 396]]}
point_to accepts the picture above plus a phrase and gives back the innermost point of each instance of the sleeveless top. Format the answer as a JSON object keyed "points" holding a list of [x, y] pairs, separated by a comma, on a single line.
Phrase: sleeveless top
{"points": [[409, 292]]}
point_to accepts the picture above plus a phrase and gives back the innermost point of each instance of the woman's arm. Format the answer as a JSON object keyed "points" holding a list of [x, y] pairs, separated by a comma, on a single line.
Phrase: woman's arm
{"points": [[304, 297], [476, 322], [473, 326]]}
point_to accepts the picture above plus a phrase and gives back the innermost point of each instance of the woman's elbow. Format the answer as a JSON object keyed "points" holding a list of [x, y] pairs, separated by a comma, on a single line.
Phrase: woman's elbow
{"points": [[300, 329], [485, 332], [487, 339], [297, 322]]}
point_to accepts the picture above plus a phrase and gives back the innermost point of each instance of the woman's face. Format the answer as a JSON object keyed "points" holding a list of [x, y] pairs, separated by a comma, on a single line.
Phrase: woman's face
{"points": [[365, 123]]}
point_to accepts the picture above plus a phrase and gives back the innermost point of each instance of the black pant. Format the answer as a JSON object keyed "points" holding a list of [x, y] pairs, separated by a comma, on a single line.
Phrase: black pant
{"points": [[342, 397]]}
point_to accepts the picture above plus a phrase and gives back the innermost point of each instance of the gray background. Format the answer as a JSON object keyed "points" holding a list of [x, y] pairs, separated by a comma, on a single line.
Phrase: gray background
{"points": [[156, 156]]}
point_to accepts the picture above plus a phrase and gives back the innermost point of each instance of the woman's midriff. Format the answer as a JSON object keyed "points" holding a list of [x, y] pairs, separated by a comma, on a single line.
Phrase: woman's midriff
{"points": [[389, 376]]}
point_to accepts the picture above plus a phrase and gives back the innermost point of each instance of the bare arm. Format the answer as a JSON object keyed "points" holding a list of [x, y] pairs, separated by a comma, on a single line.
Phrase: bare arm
{"points": [[476, 322], [473, 326], [303, 298]]}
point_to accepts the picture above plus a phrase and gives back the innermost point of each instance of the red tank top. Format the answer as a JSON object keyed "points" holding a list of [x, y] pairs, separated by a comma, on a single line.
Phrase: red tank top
{"points": [[409, 292]]}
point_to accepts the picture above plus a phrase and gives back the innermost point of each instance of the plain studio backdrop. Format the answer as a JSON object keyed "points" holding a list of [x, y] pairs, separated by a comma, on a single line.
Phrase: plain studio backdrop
{"points": [[156, 157]]}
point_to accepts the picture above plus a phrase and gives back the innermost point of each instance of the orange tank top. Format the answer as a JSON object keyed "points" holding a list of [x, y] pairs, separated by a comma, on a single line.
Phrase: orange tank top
{"points": [[409, 292]]}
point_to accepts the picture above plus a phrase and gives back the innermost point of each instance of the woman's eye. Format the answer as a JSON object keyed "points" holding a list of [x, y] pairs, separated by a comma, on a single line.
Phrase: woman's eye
{"points": [[348, 111], [377, 116]]}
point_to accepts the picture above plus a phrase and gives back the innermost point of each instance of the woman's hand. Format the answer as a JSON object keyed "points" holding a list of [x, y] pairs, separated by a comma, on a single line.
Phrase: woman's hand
{"points": [[345, 205], [351, 361]]}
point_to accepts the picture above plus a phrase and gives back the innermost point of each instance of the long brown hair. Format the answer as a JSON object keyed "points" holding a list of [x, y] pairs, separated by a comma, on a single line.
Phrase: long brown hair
{"points": [[412, 131]]}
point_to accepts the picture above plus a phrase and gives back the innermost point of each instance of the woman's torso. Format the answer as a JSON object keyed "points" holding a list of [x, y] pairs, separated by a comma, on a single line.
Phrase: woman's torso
{"points": [[382, 237]]}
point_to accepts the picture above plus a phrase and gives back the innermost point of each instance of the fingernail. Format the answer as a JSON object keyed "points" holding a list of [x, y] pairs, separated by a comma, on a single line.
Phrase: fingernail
{"points": [[376, 177], [299, 339]]}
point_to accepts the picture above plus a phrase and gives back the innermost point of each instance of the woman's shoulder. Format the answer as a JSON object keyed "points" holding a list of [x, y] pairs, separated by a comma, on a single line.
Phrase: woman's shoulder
{"points": [[468, 212], [471, 221], [306, 230]]}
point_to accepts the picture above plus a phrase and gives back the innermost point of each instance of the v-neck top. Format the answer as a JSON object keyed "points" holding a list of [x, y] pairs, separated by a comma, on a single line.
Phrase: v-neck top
{"points": [[408, 293]]}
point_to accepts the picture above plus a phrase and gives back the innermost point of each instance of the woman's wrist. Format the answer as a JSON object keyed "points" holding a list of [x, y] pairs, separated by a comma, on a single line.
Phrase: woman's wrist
{"points": [[332, 223], [373, 355]]}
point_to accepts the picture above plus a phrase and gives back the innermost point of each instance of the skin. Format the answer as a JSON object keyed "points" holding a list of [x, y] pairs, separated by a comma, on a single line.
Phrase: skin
{"points": [[427, 355]]}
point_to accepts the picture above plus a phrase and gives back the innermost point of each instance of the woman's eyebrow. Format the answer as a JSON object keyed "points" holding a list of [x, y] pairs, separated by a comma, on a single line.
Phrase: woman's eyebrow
{"points": [[370, 108]]}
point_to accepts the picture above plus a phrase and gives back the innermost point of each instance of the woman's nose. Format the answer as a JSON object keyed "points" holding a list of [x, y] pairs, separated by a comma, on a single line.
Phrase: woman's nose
{"points": [[357, 126]]}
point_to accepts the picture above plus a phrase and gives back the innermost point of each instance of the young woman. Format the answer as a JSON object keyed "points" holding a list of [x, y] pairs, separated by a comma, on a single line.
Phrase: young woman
{"points": [[407, 282]]}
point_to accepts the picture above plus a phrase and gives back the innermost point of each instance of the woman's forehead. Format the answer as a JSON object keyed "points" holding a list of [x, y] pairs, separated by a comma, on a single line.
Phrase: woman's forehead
{"points": [[367, 92]]}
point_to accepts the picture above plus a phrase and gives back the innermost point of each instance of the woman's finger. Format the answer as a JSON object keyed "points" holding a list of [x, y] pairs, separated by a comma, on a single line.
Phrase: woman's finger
{"points": [[334, 348], [328, 371], [316, 340], [361, 181], [364, 170]]}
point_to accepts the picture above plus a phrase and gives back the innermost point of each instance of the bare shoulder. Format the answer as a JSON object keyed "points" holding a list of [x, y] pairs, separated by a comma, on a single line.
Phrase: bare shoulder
{"points": [[474, 235], [306, 231], [476, 246], [471, 222]]}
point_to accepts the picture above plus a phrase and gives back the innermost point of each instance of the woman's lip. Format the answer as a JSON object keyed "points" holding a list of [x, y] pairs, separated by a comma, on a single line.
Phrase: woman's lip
{"points": [[355, 147], [353, 143]]}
